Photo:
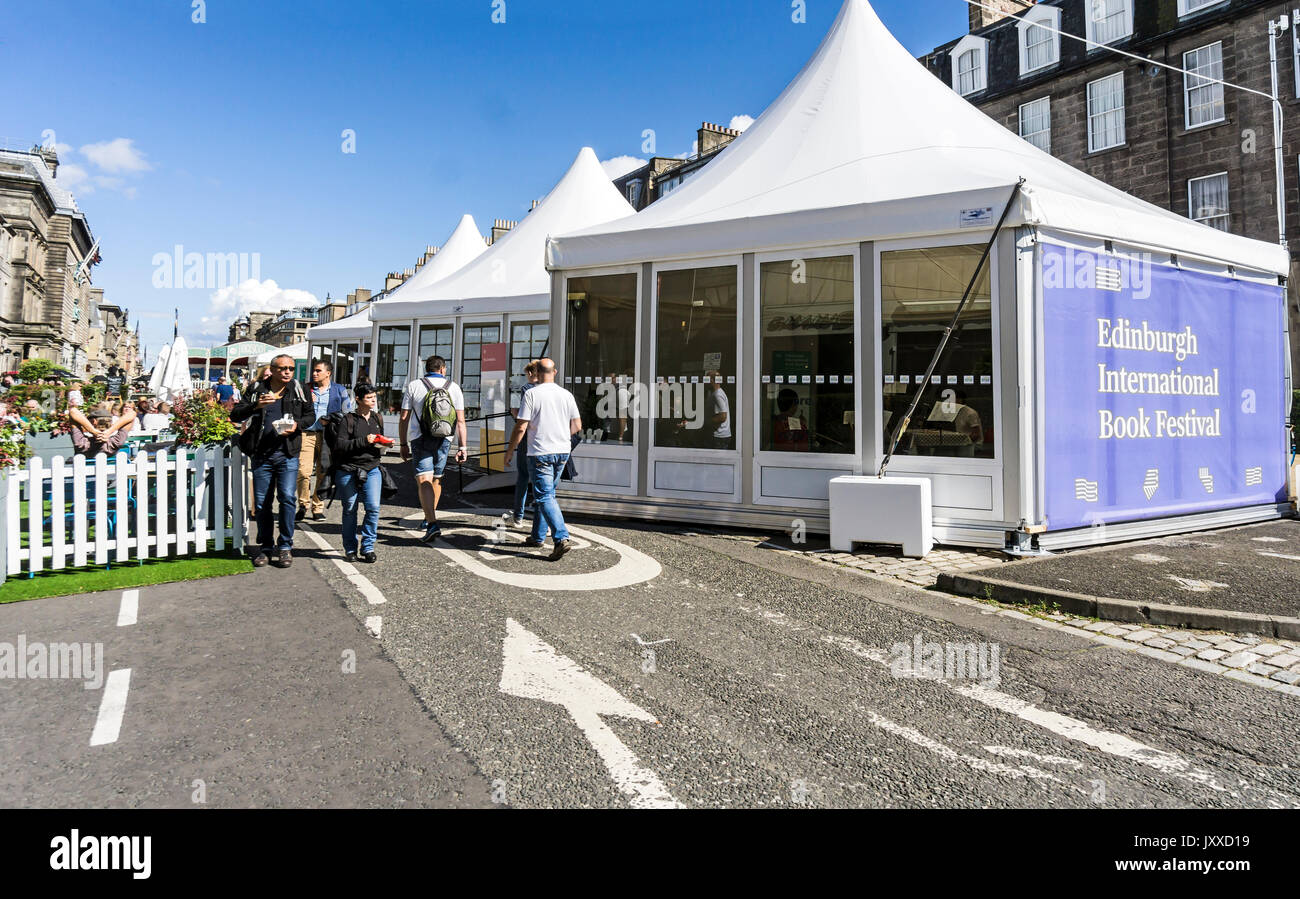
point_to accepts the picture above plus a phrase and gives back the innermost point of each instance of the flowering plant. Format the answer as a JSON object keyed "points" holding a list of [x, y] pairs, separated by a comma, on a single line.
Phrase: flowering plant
{"points": [[13, 443], [199, 420]]}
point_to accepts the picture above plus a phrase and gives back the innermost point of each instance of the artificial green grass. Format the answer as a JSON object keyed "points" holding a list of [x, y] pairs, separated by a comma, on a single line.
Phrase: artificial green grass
{"points": [[122, 576]]}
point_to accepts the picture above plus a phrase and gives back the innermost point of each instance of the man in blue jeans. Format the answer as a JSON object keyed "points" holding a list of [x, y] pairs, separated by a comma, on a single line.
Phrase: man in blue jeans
{"points": [[277, 411], [549, 415]]}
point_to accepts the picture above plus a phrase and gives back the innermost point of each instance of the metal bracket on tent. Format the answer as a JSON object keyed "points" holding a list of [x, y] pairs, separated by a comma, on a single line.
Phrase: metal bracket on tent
{"points": [[906, 420]]}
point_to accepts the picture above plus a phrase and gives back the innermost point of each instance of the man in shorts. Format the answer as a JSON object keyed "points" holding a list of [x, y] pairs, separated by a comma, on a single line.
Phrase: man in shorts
{"points": [[430, 453]]}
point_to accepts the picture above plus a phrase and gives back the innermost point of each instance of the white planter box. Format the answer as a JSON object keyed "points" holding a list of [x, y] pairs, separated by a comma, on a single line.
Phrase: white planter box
{"points": [[894, 511]]}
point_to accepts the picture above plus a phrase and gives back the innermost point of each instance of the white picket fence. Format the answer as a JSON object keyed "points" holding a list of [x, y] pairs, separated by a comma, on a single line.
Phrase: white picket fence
{"points": [[152, 506]]}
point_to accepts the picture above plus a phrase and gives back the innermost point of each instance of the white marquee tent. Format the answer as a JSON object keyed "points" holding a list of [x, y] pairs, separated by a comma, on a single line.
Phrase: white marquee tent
{"points": [[463, 246], [808, 272]]}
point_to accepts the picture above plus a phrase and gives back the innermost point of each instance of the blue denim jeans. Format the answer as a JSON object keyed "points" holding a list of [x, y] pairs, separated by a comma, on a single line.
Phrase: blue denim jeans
{"points": [[284, 472], [546, 471], [522, 486], [366, 485]]}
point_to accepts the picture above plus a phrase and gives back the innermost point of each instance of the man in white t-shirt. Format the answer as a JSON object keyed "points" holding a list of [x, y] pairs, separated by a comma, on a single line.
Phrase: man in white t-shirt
{"points": [[430, 453], [549, 416], [719, 410]]}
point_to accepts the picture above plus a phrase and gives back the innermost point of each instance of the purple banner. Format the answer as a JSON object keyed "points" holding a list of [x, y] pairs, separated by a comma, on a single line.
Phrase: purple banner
{"points": [[1164, 390]]}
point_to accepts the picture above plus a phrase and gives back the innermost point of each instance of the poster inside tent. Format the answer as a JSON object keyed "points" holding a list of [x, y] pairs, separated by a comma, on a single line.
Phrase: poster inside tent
{"points": [[1164, 390]]}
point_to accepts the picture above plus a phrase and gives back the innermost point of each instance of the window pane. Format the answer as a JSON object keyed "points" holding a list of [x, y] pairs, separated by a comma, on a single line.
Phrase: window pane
{"points": [[527, 340], [1208, 201], [1039, 49], [436, 340], [471, 349], [1106, 112], [1036, 124], [392, 367], [920, 290], [968, 71], [806, 367], [695, 358], [1109, 20], [345, 362], [1204, 98], [600, 347]]}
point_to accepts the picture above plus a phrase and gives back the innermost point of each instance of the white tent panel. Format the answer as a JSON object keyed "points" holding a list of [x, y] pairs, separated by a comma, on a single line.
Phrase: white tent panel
{"points": [[514, 266], [463, 246], [865, 144]]}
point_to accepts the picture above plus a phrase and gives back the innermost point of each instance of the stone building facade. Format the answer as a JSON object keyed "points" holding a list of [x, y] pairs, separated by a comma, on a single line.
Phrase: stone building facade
{"points": [[1179, 141], [44, 308], [663, 174]]}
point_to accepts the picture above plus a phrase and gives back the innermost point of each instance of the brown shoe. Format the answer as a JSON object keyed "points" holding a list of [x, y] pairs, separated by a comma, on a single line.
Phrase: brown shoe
{"points": [[560, 549], [286, 558], [259, 560]]}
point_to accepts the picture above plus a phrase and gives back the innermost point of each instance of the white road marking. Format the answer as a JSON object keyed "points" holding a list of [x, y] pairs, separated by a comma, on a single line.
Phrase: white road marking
{"points": [[1045, 759], [1268, 539], [130, 609], [1150, 558], [641, 642], [633, 566], [1278, 555], [112, 706], [365, 587], [912, 735], [1193, 585], [533, 669], [375, 625], [1062, 725]]}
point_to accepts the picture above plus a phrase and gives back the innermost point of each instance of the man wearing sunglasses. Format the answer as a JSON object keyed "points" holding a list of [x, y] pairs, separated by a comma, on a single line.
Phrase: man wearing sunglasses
{"points": [[274, 444]]}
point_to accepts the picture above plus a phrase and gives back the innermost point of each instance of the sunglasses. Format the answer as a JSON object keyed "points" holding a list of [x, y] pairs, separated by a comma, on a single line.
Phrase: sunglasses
{"points": [[281, 368]]}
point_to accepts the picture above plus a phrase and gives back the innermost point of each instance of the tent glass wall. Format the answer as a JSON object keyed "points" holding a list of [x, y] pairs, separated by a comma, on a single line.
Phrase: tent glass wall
{"points": [[474, 336], [695, 358], [392, 367], [325, 353], [345, 361], [528, 340], [806, 362], [436, 340], [600, 336], [920, 290]]}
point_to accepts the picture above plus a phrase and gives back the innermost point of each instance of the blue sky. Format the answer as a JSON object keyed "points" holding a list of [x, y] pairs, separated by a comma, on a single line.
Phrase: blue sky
{"points": [[226, 136]]}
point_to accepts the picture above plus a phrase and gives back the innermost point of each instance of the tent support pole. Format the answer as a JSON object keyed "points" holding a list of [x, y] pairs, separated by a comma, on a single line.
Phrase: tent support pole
{"points": [[947, 333]]}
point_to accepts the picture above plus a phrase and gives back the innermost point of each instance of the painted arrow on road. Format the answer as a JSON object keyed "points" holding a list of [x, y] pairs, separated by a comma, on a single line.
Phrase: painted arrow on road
{"points": [[533, 669]]}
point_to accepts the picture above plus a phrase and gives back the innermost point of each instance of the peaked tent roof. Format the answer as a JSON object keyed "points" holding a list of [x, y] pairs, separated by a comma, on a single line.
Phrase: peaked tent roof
{"points": [[512, 274], [463, 246], [866, 143]]}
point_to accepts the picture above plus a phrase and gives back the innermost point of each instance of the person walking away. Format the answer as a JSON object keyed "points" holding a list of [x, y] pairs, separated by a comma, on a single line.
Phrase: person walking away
{"points": [[274, 443], [432, 408], [226, 393], [359, 445], [523, 475], [327, 398], [719, 411], [549, 417]]}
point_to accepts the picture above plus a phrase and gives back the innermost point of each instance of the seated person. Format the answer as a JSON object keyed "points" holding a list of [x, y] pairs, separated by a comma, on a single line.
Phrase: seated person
{"points": [[158, 419], [789, 430], [100, 432]]}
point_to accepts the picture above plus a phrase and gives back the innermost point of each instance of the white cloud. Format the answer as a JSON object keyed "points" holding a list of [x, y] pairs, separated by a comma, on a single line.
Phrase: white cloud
{"points": [[117, 155], [741, 122], [62, 149], [229, 303], [621, 165], [73, 177]]}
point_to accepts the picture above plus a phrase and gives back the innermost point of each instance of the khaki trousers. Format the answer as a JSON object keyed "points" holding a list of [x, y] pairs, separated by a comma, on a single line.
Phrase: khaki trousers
{"points": [[308, 465]]}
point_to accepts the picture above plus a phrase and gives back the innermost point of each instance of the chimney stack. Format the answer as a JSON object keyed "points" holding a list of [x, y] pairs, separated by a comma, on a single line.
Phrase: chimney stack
{"points": [[979, 17], [712, 137]]}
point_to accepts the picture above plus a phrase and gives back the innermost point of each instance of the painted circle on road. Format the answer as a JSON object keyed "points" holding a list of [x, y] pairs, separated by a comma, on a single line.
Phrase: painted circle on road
{"points": [[633, 566]]}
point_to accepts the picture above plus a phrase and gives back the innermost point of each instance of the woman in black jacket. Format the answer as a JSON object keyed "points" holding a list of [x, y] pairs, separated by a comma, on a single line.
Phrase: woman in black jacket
{"points": [[358, 445]]}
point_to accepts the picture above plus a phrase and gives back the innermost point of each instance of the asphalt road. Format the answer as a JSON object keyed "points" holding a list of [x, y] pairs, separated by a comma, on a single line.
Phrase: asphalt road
{"points": [[1248, 569], [766, 680], [238, 683]]}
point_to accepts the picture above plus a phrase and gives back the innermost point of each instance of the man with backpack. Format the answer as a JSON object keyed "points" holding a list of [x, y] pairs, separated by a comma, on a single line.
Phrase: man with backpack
{"points": [[433, 408]]}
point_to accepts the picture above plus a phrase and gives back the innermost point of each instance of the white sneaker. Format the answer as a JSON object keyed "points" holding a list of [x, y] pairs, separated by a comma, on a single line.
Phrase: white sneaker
{"points": [[520, 523]]}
